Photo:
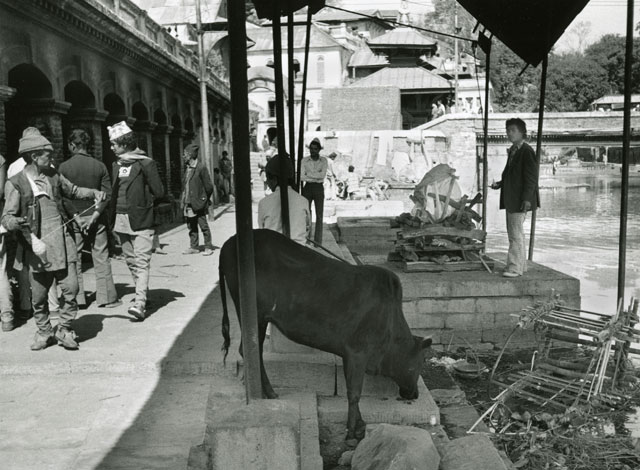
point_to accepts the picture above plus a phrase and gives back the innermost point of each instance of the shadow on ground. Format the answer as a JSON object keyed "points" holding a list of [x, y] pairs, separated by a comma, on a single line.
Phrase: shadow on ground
{"points": [[172, 419]]}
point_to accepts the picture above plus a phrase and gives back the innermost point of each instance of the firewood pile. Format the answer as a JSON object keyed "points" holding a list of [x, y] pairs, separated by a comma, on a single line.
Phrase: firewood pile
{"points": [[441, 232]]}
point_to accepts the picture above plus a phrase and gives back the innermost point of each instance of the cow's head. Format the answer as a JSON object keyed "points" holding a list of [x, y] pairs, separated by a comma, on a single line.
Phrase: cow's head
{"points": [[409, 366]]}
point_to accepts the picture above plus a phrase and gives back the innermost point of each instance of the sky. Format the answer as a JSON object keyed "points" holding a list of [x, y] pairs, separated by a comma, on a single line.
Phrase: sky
{"points": [[605, 16]]}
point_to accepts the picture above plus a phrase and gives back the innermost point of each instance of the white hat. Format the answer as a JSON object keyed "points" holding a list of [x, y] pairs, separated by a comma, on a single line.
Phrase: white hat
{"points": [[118, 130]]}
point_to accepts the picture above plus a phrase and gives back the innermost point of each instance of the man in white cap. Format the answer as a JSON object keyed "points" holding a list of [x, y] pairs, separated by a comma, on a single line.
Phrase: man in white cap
{"points": [[34, 210], [314, 171], [136, 187]]}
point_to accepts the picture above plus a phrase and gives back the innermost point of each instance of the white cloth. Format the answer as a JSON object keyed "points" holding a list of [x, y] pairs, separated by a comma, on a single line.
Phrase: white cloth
{"points": [[270, 217], [314, 171], [16, 167], [516, 257]]}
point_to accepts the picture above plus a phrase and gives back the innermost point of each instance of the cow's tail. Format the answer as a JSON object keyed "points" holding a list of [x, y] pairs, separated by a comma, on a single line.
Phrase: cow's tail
{"points": [[225, 316]]}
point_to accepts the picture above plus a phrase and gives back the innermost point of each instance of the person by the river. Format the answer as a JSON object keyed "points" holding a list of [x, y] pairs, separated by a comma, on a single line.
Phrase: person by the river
{"points": [[314, 171], [518, 194]]}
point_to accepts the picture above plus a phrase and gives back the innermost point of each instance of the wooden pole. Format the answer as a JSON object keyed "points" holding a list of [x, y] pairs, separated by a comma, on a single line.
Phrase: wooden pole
{"points": [[280, 118], [292, 90], [202, 78], [485, 143], [543, 92], [244, 215], [626, 141], [303, 99]]}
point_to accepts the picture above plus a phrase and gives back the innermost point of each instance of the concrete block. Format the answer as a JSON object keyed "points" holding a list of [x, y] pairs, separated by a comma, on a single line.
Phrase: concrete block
{"points": [[262, 435], [409, 307], [383, 409], [505, 320], [446, 305], [448, 396], [464, 321], [467, 335], [503, 304], [474, 452], [435, 334], [425, 320]]}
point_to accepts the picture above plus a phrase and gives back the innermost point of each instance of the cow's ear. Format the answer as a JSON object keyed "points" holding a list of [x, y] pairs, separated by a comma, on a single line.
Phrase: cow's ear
{"points": [[426, 342]]}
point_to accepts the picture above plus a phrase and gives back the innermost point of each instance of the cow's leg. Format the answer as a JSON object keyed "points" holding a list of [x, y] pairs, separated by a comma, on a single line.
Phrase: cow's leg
{"points": [[354, 368], [267, 389]]}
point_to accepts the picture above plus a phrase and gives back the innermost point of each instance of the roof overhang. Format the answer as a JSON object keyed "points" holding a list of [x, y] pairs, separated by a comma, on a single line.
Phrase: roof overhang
{"points": [[529, 28]]}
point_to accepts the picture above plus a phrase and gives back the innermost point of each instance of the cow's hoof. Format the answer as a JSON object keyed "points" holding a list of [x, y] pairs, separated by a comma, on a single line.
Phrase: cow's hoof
{"points": [[269, 394], [351, 443]]}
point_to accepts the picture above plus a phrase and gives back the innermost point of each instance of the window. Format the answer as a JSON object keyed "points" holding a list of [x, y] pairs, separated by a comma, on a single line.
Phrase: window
{"points": [[320, 69], [272, 109]]}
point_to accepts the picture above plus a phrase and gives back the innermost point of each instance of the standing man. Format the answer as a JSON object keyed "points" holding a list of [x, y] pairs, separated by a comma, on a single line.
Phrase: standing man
{"points": [[197, 189], [90, 223], [314, 171], [269, 209], [518, 194], [34, 209], [136, 186], [226, 168]]}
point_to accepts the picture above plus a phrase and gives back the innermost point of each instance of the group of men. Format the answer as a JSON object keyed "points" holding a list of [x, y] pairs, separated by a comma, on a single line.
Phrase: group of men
{"points": [[49, 215]]}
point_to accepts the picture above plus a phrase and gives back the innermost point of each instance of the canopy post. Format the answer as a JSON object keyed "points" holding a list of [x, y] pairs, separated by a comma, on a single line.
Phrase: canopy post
{"points": [[303, 99], [280, 118], [626, 142], [543, 91], [486, 47], [244, 216], [292, 90]]}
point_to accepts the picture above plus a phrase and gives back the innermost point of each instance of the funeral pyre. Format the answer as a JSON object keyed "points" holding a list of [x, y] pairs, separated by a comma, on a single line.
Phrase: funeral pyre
{"points": [[441, 231]]}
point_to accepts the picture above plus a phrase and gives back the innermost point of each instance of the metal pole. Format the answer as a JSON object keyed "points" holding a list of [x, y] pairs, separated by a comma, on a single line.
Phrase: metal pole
{"points": [[455, 56], [303, 99], [626, 141], [543, 92], [204, 105], [485, 143], [244, 218], [280, 118], [292, 90]]}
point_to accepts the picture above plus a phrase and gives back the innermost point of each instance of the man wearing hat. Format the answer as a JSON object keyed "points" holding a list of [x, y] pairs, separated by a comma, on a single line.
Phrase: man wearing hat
{"points": [[269, 209], [313, 173], [34, 209], [136, 185], [197, 189], [90, 224]]}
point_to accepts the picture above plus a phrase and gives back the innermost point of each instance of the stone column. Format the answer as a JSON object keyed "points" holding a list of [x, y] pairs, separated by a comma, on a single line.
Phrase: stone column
{"points": [[91, 121], [176, 146], [6, 93], [161, 153], [50, 112]]}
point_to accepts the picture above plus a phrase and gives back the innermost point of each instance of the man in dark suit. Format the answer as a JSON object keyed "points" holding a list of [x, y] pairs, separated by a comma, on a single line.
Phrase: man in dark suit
{"points": [[196, 192], [518, 194], [90, 224]]}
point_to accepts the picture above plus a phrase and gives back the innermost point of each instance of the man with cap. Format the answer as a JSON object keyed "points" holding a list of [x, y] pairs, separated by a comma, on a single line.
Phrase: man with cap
{"points": [[34, 209], [269, 209], [90, 223], [136, 185], [314, 171], [196, 192]]}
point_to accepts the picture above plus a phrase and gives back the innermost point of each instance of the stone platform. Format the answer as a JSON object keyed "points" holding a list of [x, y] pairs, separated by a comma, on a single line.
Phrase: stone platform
{"points": [[460, 308]]}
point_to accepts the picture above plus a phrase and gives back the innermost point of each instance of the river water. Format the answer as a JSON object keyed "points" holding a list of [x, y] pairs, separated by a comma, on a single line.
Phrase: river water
{"points": [[577, 233]]}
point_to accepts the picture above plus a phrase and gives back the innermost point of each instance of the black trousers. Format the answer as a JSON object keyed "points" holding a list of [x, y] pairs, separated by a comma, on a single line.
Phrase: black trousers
{"points": [[314, 192], [200, 220]]}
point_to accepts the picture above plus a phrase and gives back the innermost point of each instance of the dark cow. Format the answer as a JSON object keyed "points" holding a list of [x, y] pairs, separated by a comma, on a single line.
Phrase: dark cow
{"points": [[354, 312]]}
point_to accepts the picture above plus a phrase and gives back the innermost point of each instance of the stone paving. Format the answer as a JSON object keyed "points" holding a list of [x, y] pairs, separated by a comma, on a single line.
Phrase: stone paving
{"points": [[134, 395]]}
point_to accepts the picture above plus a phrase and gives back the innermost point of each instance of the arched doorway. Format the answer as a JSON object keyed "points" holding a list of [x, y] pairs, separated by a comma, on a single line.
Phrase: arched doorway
{"points": [[114, 106], [82, 115], [142, 126], [31, 84]]}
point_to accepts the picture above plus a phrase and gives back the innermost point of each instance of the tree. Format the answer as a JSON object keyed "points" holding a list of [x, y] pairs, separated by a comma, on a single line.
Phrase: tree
{"points": [[580, 33], [442, 19], [609, 52], [513, 91]]}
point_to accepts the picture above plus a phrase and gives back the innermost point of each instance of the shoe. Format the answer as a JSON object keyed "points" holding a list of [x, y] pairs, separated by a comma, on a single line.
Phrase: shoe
{"points": [[115, 303], [191, 251], [41, 342], [207, 252], [510, 274], [66, 338], [7, 321], [138, 311]]}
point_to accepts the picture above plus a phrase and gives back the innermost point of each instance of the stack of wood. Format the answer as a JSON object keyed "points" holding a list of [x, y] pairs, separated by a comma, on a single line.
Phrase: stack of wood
{"points": [[451, 243]]}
